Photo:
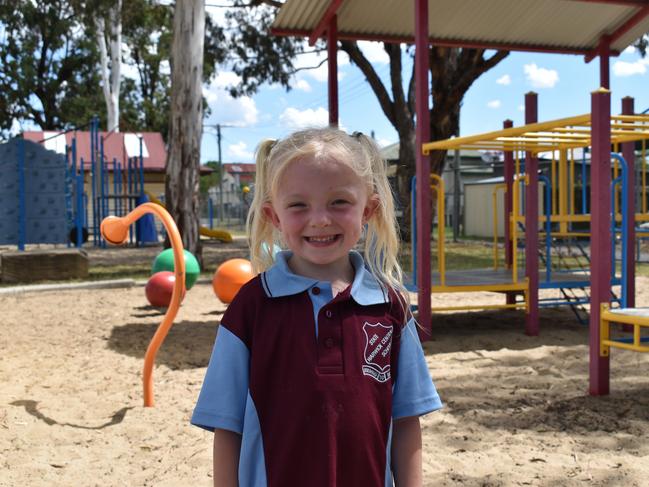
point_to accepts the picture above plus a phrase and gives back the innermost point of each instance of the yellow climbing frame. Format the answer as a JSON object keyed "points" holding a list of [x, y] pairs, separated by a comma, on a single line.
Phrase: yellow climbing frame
{"points": [[564, 133]]}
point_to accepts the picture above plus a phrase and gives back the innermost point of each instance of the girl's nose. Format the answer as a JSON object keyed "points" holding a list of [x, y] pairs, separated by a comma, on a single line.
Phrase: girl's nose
{"points": [[320, 218]]}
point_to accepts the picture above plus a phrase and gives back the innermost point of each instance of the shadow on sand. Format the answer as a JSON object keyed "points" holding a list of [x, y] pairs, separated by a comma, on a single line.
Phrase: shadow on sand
{"points": [[31, 407], [188, 344]]}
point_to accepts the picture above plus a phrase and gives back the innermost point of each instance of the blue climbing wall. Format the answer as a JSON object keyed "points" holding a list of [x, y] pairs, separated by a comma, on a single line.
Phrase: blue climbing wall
{"points": [[44, 188]]}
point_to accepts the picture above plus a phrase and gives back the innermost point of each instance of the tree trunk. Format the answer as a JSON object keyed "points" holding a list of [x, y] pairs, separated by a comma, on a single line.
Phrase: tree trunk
{"points": [[111, 74], [453, 71], [186, 122]]}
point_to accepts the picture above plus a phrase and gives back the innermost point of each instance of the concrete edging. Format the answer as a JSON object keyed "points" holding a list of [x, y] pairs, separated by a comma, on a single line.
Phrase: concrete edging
{"points": [[110, 284]]}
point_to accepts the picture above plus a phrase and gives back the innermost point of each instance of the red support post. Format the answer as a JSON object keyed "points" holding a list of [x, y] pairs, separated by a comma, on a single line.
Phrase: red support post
{"points": [[532, 224], [332, 64], [628, 152], [510, 297], [604, 63], [422, 135], [600, 230]]}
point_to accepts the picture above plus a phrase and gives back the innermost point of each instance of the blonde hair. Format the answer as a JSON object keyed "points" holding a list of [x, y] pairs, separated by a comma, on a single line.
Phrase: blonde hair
{"points": [[361, 154]]}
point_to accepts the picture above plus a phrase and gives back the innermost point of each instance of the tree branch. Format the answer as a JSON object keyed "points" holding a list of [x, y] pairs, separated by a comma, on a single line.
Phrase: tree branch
{"points": [[358, 58], [411, 92]]}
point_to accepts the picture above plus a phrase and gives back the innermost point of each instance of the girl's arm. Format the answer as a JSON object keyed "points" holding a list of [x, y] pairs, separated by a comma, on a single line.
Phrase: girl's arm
{"points": [[227, 445], [406, 452]]}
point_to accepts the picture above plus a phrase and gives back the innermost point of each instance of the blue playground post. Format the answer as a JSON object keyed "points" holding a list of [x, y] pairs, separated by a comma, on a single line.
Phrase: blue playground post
{"points": [[548, 226], [22, 214], [623, 179]]}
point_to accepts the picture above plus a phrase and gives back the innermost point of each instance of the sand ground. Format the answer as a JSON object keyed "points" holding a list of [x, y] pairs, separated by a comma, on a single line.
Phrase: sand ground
{"points": [[516, 410]]}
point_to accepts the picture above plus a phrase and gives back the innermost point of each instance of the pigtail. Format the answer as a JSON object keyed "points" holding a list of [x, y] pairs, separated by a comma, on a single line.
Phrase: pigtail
{"points": [[381, 246], [260, 231]]}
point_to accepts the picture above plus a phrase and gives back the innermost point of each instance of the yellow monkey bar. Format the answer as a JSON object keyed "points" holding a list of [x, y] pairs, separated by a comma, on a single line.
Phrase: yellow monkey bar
{"points": [[563, 133]]}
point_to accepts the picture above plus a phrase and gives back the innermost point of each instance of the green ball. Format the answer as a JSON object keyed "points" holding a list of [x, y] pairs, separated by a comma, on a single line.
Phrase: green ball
{"points": [[165, 262]]}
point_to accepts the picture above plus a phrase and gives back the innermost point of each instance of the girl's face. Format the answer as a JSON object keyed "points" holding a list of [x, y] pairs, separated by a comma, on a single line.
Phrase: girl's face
{"points": [[320, 209]]}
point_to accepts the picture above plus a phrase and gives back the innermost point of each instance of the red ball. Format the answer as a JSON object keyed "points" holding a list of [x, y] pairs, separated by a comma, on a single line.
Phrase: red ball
{"points": [[229, 277], [159, 288]]}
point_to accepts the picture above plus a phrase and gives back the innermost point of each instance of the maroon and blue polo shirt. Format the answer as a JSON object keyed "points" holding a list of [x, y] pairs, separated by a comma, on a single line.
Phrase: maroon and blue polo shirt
{"points": [[312, 382]]}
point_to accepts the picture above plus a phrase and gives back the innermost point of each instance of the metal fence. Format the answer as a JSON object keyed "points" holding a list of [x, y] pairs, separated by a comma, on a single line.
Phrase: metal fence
{"points": [[228, 212]]}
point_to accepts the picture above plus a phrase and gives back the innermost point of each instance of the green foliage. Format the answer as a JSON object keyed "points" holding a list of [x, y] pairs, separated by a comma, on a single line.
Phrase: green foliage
{"points": [[256, 55], [210, 180], [642, 44], [49, 61], [47, 66], [147, 30]]}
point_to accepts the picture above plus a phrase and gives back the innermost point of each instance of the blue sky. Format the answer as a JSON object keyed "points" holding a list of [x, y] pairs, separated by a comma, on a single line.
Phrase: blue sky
{"points": [[563, 84]]}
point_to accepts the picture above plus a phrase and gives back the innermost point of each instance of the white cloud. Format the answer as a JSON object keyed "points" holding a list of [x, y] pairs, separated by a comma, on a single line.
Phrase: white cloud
{"points": [[241, 111], [505, 80], [374, 52], [493, 104], [240, 152], [302, 85], [629, 50], [541, 77], [521, 108], [383, 142], [225, 79], [623, 68], [293, 119]]}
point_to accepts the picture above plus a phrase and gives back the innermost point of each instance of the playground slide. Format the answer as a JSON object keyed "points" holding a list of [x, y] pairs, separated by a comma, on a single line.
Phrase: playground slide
{"points": [[214, 233]]}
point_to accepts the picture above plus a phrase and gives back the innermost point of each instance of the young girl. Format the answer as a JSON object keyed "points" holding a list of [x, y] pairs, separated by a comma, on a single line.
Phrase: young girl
{"points": [[317, 377]]}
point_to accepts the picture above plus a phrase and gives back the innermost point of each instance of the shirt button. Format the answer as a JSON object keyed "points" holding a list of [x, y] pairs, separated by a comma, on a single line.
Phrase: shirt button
{"points": [[315, 290], [329, 342], [328, 313]]}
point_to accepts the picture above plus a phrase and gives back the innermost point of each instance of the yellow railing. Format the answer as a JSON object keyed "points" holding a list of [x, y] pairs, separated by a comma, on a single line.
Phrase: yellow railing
{"points": [[607, 317], [560, 134]]}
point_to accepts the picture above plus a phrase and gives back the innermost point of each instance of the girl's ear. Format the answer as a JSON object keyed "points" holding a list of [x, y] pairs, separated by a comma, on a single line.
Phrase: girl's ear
{"points": [[269, 212], [370, 208]]}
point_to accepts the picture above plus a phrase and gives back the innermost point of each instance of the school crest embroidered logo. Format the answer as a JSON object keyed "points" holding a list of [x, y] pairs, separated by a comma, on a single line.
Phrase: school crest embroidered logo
{"points": [[378, 343]]}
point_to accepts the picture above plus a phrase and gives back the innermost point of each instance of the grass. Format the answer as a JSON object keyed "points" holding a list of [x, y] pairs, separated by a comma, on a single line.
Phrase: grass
{"points": [[121, 271], [461, 255], [458, 255]]}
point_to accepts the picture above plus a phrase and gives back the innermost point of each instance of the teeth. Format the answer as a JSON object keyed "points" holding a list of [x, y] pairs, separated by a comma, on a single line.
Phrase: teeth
{"points": [[322, 239]]}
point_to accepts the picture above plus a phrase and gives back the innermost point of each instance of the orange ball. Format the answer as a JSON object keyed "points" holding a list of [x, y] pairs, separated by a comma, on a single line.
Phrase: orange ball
{"points": [[229, 277]]}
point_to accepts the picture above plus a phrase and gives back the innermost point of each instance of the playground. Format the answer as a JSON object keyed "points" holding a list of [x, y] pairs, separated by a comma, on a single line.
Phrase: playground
{"points": [[517, 409]]}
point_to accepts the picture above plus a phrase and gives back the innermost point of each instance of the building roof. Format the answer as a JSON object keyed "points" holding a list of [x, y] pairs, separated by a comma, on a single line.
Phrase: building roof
{"points": [[240, 168], [567, 26], [117, 146]]}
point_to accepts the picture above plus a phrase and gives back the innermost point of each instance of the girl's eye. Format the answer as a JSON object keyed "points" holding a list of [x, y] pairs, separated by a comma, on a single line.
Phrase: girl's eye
{"points": [[340, 202], [296, 205]]}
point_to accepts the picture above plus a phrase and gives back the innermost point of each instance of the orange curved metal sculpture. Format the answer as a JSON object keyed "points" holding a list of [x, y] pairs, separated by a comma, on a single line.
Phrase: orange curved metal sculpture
{"points": [[115, 231]]}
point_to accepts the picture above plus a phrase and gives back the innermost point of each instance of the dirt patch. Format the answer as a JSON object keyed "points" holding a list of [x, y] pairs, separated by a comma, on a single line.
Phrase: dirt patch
{"points": [[517, 411]]}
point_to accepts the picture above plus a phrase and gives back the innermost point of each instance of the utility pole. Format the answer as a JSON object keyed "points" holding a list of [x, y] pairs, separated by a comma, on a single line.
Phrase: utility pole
{"points": [[218, 126], [218, 141]]}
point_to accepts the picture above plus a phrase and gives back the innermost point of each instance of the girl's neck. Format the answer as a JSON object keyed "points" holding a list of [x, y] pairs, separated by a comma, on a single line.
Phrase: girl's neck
{"points": [[340, 274]]}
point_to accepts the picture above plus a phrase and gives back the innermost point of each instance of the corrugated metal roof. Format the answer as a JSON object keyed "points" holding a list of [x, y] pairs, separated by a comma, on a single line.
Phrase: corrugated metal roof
{"points": [[553, 25]]}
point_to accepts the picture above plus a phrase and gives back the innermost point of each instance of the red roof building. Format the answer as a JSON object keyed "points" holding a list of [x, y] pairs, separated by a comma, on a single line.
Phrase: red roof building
{"points": [[118, 146]]}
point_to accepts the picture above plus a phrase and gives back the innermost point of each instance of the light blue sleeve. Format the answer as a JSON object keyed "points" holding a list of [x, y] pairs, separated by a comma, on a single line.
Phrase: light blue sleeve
{"points": [[414, 393], [222, 401]]}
